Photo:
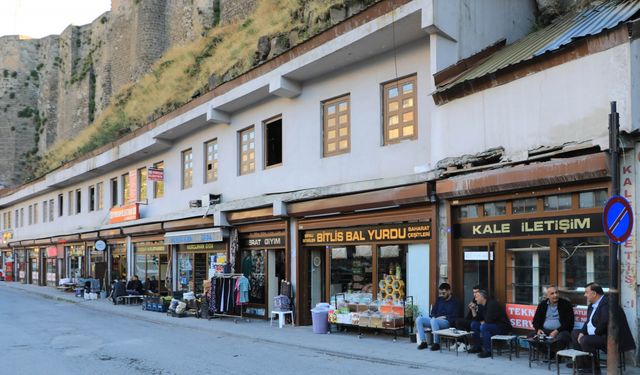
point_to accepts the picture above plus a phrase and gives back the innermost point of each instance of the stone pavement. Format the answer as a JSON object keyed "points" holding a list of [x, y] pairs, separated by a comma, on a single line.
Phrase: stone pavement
{"points": [[370, 348]]}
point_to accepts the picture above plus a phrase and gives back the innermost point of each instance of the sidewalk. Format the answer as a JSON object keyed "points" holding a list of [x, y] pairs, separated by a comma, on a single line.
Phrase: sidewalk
{"points": [[370, 348]]}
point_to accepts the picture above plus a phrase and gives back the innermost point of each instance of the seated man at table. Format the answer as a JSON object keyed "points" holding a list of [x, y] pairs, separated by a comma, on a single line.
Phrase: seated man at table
{"points": [[118, 290], [134, 286], [495, 322], [443, 314], [475, 312], [554, 318]]}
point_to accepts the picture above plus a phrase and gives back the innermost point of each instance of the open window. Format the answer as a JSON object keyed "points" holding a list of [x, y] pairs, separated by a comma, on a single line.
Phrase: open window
{"points": [[273, 142]]}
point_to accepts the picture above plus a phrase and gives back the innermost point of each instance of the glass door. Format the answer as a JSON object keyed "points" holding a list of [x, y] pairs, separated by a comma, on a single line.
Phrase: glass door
{"points": [[316, 277], [478, 268]]}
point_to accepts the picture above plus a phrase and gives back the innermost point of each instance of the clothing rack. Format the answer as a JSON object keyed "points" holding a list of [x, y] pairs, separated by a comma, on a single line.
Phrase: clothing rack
{"points": [[236, 318]]}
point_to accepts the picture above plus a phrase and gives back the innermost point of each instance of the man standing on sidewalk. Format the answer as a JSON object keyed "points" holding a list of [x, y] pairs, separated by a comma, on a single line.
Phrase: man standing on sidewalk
{"points": [[443, 314]]}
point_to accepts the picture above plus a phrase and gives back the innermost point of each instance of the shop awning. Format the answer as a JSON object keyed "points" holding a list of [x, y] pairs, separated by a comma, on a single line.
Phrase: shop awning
{"points": [[194, 236]]}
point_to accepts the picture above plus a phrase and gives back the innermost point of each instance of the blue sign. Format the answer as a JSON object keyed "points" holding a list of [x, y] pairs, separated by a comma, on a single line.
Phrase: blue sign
{"points": [[617, 218]]}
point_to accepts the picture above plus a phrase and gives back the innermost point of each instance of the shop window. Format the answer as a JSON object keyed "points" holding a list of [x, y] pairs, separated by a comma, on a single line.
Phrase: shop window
{"points": [[247, 151], [60, 204], [125, 188], [273, 142], [185, 272], [142, 184], [399, 112], [51, 209], [351, 269], [392, 260], [158, 186], [557, 202], [592, 199], [149, 267], [187, 169], [336, 118], [253, 268], [582, 260], [99, 195], [92, 198], [528, 270], [211, 162], [468, 211], [495, 209], [524, 206], [78, 201]]}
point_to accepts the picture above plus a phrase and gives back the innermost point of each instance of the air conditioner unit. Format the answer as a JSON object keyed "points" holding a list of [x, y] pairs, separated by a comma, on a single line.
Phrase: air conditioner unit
{"points": [[195, 203], [209, 199]]}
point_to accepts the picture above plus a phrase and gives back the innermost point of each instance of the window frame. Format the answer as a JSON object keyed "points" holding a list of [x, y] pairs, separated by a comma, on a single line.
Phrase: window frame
{"points": [[143, 190], [70, 205], [385, 109], [214, 162], [186, 166], [60, 205], [78, 198], [325, 126], [51, 209], [113, 182], [248, 130], [124, 188], [158, 186], [265, 140], [92, 198], [99, 196]]}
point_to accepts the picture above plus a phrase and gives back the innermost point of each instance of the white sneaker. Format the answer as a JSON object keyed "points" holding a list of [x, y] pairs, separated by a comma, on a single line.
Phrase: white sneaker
{"points": [[461, 347]]}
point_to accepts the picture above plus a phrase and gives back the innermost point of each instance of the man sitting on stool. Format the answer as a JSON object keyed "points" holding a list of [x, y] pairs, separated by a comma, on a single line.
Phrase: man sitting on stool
{"points": [[443, 314], [593, 335], [554, 317], [495, 322]]}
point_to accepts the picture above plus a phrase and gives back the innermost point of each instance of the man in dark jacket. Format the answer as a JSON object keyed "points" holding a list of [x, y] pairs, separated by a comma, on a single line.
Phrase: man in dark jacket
{"points": [[443, 314], [118, 289], [554, 317], [495, 322], [593, 334], [475, 312]]}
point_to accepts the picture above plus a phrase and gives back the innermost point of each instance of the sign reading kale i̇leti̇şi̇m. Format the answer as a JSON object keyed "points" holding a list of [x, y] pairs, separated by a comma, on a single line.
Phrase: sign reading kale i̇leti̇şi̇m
{"points": [[397, 232], [522, 227]]}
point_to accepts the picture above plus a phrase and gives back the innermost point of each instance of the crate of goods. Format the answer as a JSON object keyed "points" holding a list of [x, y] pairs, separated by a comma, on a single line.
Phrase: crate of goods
{"points": [[392, 321], [376, 321], [343, 318], [364, 320], [392, 309]]}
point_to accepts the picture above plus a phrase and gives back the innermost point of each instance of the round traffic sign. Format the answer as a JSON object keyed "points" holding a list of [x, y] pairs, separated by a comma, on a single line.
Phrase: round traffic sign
{"points": [[617, 218], [100, 245]]}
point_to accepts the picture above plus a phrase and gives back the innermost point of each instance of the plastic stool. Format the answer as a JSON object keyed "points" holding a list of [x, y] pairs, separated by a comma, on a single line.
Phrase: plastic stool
{"points": [[573, 354], [281, 316]]}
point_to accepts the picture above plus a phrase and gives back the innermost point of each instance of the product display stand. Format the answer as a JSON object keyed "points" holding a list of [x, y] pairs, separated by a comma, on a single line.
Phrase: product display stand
{"points": [[386, 320], [236, 318]]}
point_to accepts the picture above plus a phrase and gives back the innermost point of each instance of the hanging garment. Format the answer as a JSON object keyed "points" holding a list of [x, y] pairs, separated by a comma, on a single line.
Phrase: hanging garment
{"points": [[212, 297], [236, 289], [223, 299], [243, 285]]}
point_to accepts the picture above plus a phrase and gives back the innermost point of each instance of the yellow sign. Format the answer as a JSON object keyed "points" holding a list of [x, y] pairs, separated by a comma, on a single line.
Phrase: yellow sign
{"points": [[399, 232]]}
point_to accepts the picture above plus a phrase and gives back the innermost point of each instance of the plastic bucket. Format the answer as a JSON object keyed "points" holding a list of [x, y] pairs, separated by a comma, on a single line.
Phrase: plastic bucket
{"points": [[319, 319]]}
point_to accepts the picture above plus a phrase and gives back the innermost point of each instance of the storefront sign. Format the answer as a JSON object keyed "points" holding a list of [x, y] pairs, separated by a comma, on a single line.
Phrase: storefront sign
{"points": [[399, 232], [100, 245], [124, 213], [155, 174], [52, 252], [521, 316], [523, 227], [263, 242], [206, 246], [158, 248], [6, 236], [196, 236]]}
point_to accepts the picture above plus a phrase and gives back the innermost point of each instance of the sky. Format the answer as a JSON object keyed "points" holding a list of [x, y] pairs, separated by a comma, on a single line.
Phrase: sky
{"points": [[39, 18]]}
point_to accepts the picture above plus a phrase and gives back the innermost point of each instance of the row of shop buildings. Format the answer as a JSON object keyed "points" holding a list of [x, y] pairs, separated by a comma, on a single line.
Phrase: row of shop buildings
{"points": [[484, 166]]}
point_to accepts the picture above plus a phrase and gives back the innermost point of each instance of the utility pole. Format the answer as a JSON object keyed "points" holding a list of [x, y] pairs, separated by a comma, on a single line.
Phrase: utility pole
{"points": [[614, 248]]}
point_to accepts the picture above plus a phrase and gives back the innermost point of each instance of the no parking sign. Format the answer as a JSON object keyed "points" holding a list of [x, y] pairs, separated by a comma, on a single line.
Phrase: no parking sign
{"points": [[617, 218]]}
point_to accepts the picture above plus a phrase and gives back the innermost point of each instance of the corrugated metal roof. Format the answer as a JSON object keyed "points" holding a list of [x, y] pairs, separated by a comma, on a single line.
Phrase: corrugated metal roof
{"points": [[590, 21]]}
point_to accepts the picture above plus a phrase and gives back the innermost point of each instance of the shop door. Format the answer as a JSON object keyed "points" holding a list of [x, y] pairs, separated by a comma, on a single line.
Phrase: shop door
{"points": [[478, 266], [276, 273], [312, 282]]}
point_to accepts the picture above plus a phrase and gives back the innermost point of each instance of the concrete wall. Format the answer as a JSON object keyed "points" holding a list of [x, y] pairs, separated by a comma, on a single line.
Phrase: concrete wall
{"points": [[567, 103]]}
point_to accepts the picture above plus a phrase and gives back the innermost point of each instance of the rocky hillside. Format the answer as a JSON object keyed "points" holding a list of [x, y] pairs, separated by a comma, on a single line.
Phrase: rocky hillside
{"points": [[67, 94]]}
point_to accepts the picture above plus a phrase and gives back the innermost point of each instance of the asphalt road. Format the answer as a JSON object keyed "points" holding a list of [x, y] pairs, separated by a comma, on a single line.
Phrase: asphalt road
{"points": [[41, 336]]}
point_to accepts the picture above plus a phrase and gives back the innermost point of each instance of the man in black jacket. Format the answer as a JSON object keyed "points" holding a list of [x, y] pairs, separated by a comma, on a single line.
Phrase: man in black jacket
{"points": [[554, 317], [495, 322], [474, 312], [593, 334]]}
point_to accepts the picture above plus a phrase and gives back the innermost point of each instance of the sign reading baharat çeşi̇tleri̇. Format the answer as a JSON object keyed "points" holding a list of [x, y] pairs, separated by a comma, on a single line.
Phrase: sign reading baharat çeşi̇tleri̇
{"points": [[527, 227], [398, 232]]}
